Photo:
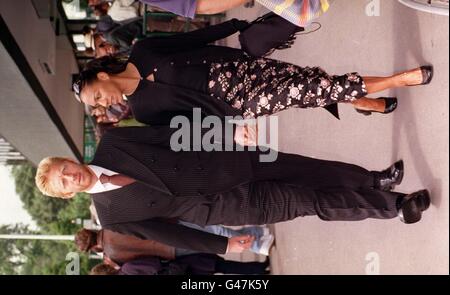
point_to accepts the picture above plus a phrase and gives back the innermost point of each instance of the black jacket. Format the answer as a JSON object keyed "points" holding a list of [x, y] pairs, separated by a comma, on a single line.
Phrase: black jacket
{"points": [[194, 264], [181, 65], [169, 184]]}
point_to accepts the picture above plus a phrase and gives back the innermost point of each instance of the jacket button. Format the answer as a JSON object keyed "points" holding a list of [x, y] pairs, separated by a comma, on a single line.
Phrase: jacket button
{"points": [[204, 61], [152, 204], [175, 169], [155, 69], [188, 62], [172, 63]]}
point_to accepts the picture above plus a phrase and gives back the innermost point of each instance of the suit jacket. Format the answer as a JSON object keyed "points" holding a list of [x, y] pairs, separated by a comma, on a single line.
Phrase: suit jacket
{"points": [[185, 185]]}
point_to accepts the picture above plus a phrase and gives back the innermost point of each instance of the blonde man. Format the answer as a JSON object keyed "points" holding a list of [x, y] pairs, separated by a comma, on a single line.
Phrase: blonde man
{"points": [[137, 181]]}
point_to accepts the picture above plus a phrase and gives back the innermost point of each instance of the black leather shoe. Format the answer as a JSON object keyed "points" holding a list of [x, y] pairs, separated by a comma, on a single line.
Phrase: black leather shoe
{"points": [[411, 206], [391, 104], [427, 75], [387, 179]]}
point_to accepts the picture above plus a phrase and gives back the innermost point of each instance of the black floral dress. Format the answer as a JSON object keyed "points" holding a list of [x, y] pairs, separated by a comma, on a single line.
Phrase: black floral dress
{"points": [[262, 86]]}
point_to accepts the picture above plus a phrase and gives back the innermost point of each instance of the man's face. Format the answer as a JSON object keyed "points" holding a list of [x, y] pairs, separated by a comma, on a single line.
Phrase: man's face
{"points": [[69, 177]]}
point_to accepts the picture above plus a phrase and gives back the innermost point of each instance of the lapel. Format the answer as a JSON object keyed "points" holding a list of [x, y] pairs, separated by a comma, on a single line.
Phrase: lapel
{"points": [[122, 162]]}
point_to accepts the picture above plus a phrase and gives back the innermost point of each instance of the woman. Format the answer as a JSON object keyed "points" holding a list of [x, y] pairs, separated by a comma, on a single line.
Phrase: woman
{"points": [[165, 77]]}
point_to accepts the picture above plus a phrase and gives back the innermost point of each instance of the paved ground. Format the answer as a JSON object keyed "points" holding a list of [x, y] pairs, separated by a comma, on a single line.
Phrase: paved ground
{"points": [[418, 132]]}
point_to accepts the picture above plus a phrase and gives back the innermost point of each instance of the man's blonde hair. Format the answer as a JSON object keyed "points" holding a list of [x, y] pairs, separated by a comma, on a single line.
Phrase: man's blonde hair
{"points": [[42, 179]]}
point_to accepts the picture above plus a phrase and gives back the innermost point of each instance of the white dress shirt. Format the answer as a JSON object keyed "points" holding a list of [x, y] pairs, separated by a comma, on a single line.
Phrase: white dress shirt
{"points": [[122, 10], [101, 187]]}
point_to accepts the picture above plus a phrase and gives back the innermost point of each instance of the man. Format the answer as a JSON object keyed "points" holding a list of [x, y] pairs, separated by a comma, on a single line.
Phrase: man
{"points": [[136, 179]]}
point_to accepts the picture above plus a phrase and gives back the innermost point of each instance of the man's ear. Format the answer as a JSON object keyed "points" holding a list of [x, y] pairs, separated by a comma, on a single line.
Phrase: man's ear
{"points": [[102, 76]]}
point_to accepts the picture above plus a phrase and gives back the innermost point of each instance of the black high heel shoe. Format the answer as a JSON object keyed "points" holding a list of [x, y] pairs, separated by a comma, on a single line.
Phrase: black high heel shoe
{"points": [[410, 207], [391, 104], [427, 75]]}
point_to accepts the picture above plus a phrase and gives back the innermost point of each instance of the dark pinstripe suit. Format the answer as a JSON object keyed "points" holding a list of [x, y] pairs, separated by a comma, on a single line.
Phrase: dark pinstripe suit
{"points": [[231, 188]]}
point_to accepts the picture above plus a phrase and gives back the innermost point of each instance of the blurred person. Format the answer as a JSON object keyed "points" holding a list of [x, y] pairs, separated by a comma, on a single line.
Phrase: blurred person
{"points": [[188, 8], [118, 10], [113, 114], [125, 35], [194, 264], [104, 48], [122, 248]]}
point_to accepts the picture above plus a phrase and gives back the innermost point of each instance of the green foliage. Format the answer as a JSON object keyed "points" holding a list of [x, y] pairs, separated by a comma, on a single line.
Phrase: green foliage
{"points": [[53, 216]]}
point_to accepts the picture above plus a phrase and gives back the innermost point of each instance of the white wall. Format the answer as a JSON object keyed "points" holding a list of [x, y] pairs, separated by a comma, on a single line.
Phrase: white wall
{"points": [[38, 42]]}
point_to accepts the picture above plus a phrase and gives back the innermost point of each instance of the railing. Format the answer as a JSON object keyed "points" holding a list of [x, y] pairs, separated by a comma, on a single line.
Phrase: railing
{"points": [[440, 7], [9, 155]]}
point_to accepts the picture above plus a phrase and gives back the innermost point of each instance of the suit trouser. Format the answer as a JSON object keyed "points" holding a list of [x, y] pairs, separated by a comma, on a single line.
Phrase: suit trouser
{"points": [[310, 172], [280, 202], [295, 186], [271, 202]]}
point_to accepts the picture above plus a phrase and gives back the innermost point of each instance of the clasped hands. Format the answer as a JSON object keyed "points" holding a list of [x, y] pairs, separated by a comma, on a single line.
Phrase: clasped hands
{"points": [[247, 133]]}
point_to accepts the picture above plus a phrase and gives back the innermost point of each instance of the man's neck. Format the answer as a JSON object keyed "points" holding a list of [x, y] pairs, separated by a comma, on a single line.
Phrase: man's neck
{"points": [[94, 179]]}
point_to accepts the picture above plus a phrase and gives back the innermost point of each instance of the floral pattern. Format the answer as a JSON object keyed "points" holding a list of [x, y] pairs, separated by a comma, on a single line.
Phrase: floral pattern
{"points": [[262, 86]]}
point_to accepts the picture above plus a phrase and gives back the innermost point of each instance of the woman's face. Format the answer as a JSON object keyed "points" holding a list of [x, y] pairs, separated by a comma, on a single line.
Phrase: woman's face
{"points": [[101, 92]]}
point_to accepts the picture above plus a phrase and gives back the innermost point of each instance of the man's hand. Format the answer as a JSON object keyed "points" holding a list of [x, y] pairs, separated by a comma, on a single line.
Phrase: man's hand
{"points": [[247, 135], [239, 243]]}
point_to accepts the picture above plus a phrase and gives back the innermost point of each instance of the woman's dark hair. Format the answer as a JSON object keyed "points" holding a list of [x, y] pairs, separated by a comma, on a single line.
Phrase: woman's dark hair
{"points": [[109, 64]]}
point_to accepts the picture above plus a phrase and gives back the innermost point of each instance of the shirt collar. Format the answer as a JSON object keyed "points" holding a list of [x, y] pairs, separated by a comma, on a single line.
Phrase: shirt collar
{"points": [[98, 186]]}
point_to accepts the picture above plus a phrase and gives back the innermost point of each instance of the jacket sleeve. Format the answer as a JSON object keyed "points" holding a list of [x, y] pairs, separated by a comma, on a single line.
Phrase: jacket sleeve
{"points": [[162, 135], [148, 112], [194, 39], [175, 235]]}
